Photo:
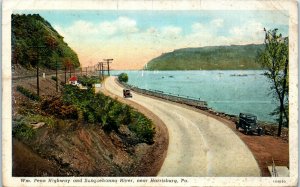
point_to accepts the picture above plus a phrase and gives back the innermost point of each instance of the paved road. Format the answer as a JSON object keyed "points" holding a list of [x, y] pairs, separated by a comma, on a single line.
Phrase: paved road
{"points": [[199, 145]]}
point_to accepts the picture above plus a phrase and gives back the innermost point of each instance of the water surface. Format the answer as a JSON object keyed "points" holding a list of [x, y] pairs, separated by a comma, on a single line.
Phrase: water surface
{"points": [[225, 91]]}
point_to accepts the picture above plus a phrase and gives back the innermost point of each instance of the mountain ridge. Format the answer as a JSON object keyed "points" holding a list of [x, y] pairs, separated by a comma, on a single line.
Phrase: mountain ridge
{"points": [[231, 57]]}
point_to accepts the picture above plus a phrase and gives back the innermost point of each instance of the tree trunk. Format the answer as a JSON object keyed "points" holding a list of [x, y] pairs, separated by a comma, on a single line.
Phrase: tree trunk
{"points": [[280, 117], [282, 110]]}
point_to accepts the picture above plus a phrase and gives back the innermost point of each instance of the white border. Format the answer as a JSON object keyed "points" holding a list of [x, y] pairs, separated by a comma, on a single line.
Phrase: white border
{"points": [[291, 6]]}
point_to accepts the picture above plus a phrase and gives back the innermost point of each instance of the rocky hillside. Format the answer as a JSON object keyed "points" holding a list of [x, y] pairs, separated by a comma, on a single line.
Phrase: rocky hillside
{"points": [[232, 57], [34, 41]]}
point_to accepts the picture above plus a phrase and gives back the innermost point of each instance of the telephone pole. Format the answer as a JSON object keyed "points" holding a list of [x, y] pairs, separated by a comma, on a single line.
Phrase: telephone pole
{"points": [[56, 76], [37, 67], [108, 61], [102, 69]]}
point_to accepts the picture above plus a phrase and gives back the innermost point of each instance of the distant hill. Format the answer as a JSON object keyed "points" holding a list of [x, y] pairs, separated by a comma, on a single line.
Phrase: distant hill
{"points": [[232, 57], [32, 31]]}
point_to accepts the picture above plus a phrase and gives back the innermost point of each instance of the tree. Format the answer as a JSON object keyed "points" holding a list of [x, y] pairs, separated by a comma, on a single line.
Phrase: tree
{"points": [[123, 77], [274, 58]]}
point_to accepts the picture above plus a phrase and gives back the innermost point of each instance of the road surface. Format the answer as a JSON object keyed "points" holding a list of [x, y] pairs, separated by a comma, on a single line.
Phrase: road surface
{"points": [[199, 145]]}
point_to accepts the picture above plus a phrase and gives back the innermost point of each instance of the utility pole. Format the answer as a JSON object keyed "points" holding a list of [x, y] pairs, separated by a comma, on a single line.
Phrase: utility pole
{"points": [[99, 70], [108, 61], [70, 68], [65, 74], [56, 76], [102, 70], [37, 78], [37, 67]]}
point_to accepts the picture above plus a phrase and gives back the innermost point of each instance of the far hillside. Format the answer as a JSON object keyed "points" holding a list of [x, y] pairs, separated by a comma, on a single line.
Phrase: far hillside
{"points": [[234, 57], [35, 40]]}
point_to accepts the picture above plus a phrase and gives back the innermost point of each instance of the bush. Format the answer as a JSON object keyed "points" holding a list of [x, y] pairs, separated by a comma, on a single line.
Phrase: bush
{"points": [[107, 112], [55, 106], [54, 78], [123, 77], [88, 81], [142, 127], [21, 130], [28, 93]]}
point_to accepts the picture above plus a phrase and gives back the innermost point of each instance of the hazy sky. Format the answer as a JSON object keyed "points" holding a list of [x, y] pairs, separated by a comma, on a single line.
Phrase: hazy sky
{"points": [[132, 38]]}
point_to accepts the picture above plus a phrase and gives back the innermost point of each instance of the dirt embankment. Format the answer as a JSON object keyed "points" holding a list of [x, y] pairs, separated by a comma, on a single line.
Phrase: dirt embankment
{"points": [[76, 149], [81, 151]]}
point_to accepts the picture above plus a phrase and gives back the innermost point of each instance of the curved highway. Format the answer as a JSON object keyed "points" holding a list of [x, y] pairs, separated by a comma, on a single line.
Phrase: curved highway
{"points": [[199, 145]]}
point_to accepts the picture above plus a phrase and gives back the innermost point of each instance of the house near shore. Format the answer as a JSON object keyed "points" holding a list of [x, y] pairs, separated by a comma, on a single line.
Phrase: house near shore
{"points": [[73, 81]]}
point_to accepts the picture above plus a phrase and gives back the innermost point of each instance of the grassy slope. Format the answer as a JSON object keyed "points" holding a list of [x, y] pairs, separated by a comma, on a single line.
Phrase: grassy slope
{"points": [[29, 31], [208, 58]]}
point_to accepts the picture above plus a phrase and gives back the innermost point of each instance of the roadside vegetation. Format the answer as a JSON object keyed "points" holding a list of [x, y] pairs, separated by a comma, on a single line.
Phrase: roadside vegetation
{"points": [[28, 93], [85, 107], [123, 77], [88, 81]]}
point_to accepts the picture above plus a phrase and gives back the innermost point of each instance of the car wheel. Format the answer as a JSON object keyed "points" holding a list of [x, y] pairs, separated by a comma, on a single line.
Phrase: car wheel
{"points": [[237, 126]]}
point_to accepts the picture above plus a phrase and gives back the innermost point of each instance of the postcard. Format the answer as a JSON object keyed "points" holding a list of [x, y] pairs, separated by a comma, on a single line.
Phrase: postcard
{"points": [[150, 93]]}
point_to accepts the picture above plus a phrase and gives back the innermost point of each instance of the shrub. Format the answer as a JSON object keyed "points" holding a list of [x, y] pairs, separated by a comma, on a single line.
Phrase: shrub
{"points": [[21, 130], [54, 78], [28, 93], [108, 112], [55, 106], [142, 127], [123, 77], [88, 81]]}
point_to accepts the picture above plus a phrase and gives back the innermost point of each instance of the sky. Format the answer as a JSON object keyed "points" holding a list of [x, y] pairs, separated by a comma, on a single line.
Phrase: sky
{"points": [[133, 38]]}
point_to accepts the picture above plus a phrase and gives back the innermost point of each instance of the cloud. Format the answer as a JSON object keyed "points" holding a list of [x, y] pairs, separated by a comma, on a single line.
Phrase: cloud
{"points": [[121, 25], [215, 32], [86, 29], [250, 28], [171, 32]]}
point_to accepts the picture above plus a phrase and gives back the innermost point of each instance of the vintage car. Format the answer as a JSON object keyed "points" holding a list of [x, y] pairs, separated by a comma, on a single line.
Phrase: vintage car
{"points": [[126, 93], [248, 122]]}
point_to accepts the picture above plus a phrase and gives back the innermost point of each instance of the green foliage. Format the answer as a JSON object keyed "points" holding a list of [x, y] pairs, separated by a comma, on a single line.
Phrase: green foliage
{"points": [[107, 112], [232, 57], [54, 78], [28, 93], [21, 129], [29, 32], [36, 118], [123, 77], [275, 59], [88, 81], [143, 127]]}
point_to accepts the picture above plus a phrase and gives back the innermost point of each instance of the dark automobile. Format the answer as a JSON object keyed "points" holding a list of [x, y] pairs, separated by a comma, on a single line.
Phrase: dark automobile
{"points": [[126, 93], [248, 122]]}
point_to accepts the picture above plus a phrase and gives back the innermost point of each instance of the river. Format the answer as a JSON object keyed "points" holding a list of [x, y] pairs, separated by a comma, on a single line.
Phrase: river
{"points": [[226, 91]]}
